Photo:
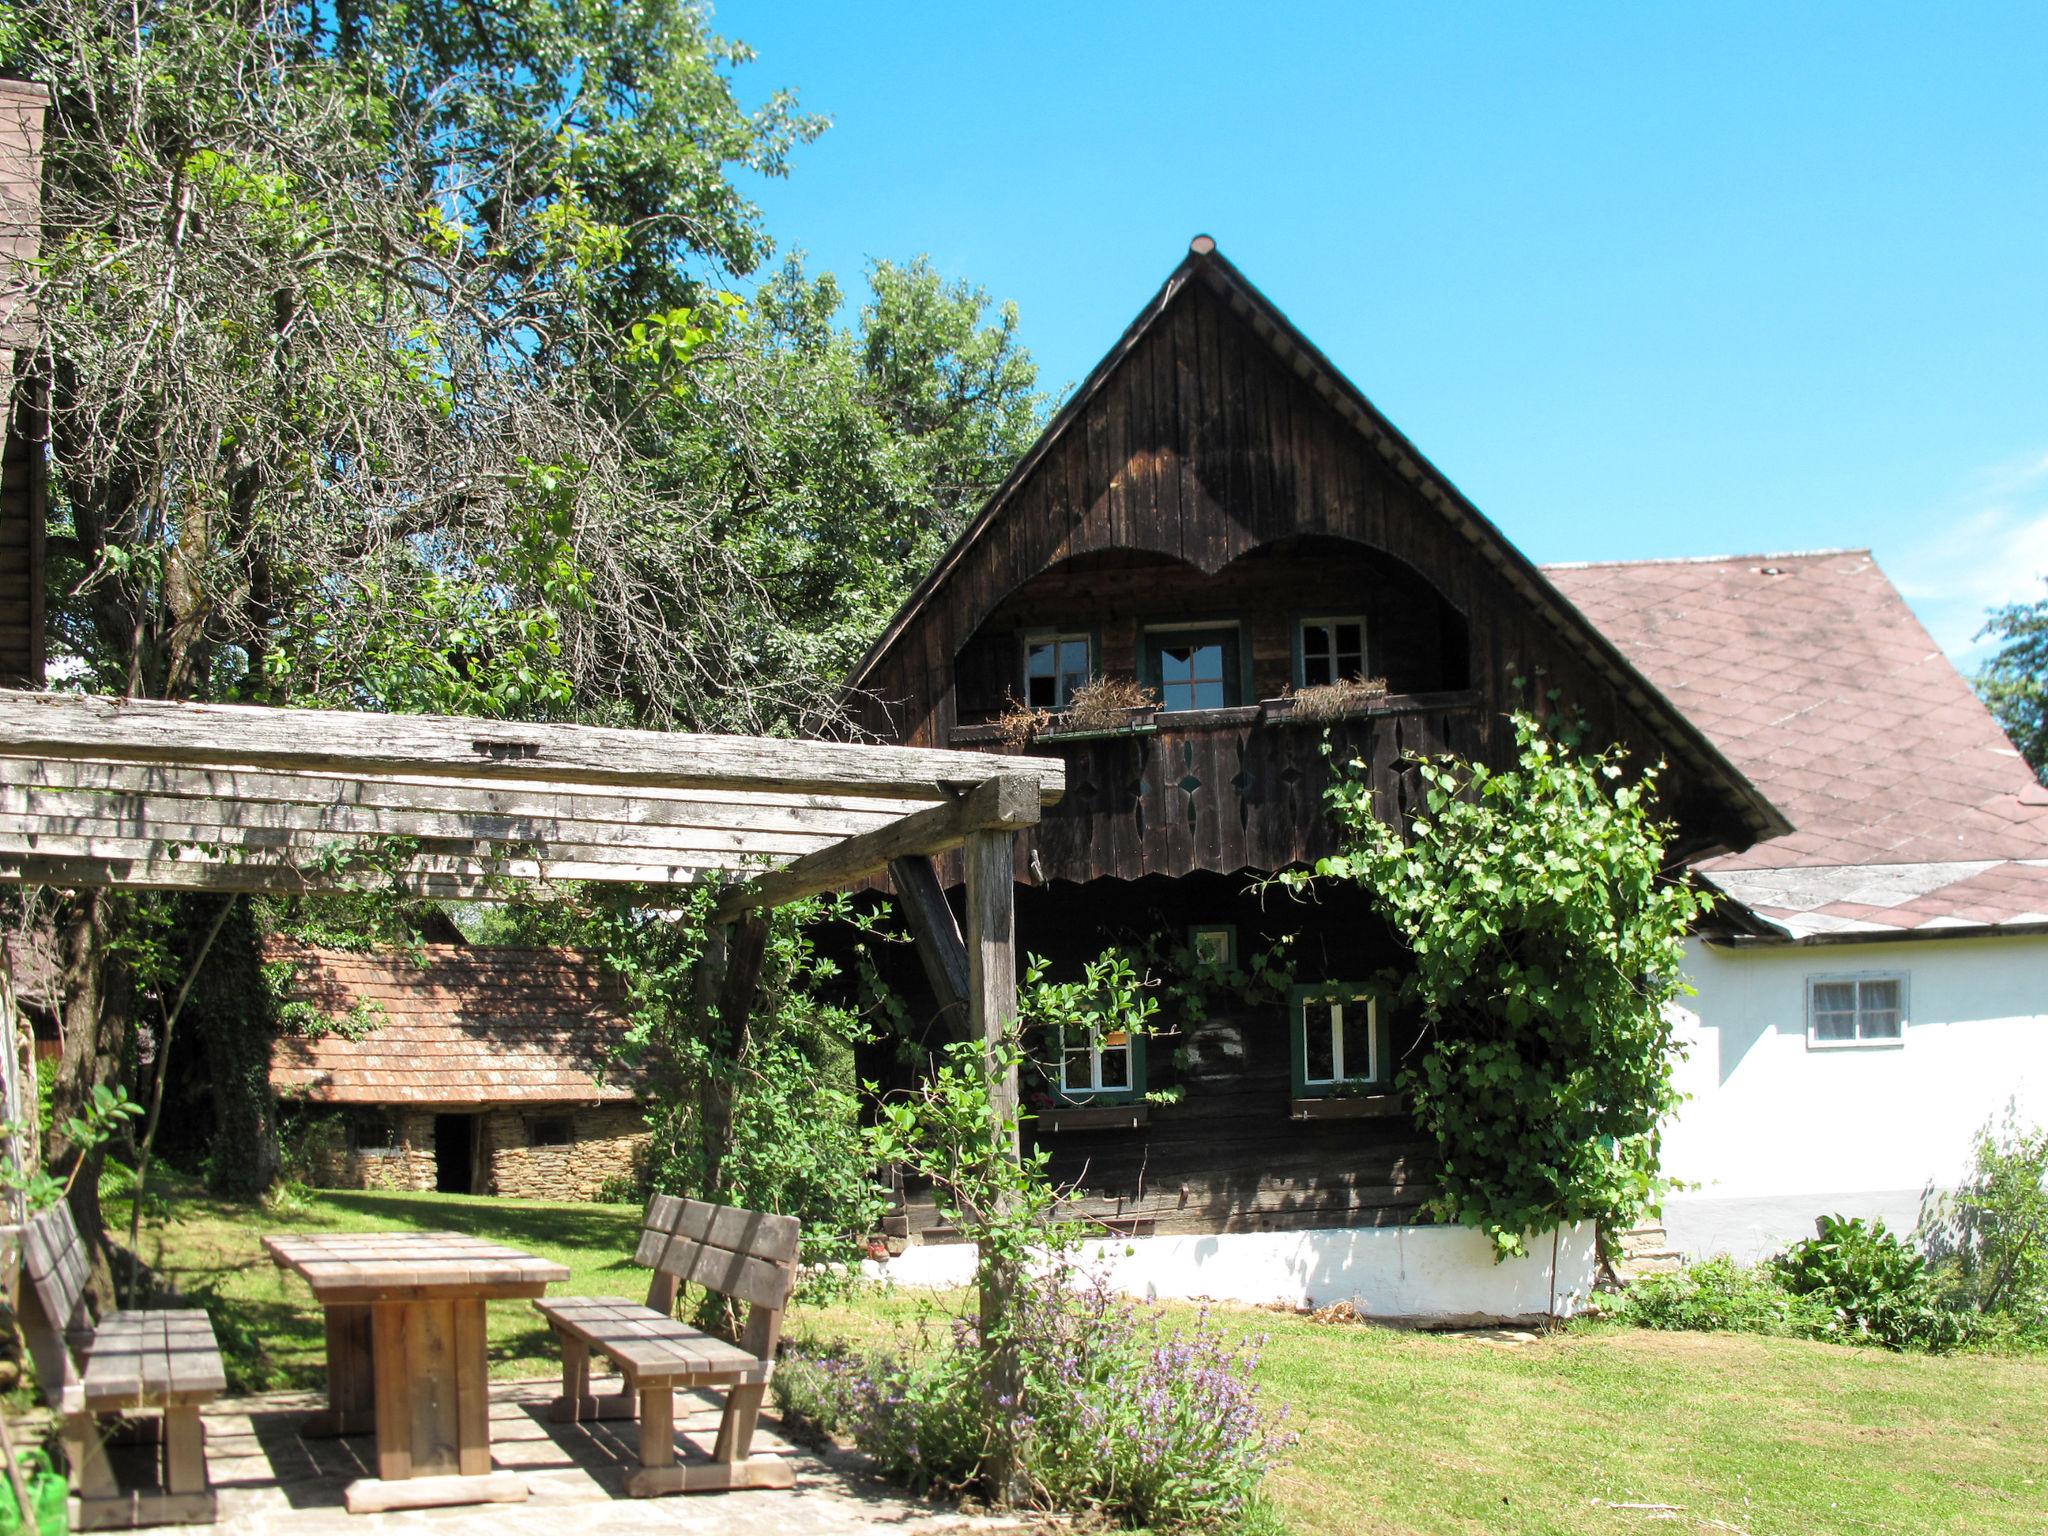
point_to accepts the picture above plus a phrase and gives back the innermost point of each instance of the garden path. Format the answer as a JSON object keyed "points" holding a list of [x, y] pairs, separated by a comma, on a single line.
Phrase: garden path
{"points": [[272, 1481]]}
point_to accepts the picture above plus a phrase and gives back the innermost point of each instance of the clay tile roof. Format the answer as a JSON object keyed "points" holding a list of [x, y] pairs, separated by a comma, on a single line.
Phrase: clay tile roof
{"points": [[457, 1025], [1813, 676]]}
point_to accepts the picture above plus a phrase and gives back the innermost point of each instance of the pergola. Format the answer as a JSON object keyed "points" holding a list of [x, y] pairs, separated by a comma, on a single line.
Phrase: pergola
{"points": [[234, 798]]}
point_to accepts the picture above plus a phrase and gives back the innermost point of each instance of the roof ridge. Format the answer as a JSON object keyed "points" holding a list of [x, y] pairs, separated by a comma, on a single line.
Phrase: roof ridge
{"points": [[1786, 554]]}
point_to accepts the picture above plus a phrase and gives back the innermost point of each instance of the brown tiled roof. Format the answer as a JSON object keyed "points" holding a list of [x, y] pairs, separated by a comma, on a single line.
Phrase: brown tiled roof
{"points": [[1813, 676], [459, 1025]]}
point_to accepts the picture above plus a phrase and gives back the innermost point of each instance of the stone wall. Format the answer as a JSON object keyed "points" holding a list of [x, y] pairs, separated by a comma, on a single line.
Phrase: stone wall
{"points": [[604, 1146], [409, 1165]]}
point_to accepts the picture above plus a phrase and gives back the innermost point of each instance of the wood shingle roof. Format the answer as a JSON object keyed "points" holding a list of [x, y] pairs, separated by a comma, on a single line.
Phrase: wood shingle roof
{"points": [[456, 1025]]}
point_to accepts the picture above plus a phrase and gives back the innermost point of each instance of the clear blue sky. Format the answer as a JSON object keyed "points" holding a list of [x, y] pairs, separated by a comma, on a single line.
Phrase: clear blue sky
{"points": [[1644, 280]]}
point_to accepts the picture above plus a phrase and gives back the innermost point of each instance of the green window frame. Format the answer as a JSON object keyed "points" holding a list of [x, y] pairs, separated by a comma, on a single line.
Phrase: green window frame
{"points": [[1120, 1049], [1326, 1067], [1219, 938], [1206, 683]]}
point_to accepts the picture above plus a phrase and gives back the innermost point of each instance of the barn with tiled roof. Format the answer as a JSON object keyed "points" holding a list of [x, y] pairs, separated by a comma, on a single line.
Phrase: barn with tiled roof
{"points": [[467, 1069]]}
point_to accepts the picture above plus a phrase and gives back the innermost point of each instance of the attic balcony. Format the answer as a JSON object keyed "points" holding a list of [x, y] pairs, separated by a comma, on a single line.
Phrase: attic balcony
{"points": [[1223, 789]]}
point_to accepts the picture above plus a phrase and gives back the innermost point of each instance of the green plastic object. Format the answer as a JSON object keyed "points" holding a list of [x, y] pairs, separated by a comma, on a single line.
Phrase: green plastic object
{"points": [[47, 1490]]}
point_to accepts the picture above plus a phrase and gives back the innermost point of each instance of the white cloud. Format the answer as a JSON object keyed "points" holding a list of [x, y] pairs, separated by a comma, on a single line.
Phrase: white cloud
{"points": [[1986, 548]]}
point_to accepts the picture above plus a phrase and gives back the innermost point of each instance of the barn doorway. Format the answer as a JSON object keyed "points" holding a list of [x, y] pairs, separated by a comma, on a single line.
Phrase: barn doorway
{"points": [[455, 1154]]}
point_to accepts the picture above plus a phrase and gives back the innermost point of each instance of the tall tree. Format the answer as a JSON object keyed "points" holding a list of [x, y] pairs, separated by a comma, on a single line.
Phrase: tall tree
{"points": [[397, 361], [2015, 681]]}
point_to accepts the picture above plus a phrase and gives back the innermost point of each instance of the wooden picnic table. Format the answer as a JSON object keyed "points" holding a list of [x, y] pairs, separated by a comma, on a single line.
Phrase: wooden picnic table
{"points": [[406, 1354]]}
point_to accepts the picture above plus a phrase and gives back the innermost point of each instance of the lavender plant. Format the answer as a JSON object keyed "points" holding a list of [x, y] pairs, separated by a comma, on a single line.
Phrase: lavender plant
{"points": [[1118, 1414]]}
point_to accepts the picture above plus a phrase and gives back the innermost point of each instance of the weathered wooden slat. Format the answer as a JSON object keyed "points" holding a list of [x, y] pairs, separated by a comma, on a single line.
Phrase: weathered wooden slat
{"points": [[333, 741], [86, 862], [1000, 804], [178, 819], [638, 806]]}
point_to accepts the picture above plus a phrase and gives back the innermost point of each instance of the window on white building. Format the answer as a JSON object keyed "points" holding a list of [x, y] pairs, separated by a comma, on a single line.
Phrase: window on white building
{"points": [[1855, 1010]]}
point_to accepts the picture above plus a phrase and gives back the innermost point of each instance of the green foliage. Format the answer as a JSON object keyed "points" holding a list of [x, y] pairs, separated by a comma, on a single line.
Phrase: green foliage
{"points": [[1875, 1286], [106, 1113], [1995, 1227], [761, 1111], [1720, 1296], [1545, 946], [2014, 682]]}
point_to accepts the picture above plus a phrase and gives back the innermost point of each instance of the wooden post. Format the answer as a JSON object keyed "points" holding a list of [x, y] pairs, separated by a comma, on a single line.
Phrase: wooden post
{"points": [[922, 900], [992, 1005]]}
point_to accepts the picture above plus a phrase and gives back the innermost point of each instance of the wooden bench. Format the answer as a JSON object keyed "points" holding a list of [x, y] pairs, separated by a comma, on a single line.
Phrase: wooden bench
{"points": [[745, 1255], [160, 1359]]}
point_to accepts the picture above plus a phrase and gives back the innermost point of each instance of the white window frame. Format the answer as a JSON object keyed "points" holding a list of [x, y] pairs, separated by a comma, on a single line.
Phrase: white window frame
{"points": [[1301, 629], [1337, 1002], [1859, 980], [1058, 640], [1096, 1051]]}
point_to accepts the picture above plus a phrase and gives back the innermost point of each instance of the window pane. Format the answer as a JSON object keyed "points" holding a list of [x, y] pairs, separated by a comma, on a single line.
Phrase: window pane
{"points": [[1075, 1067], [1834, 997], [1041, 688], [1074, 668], [1315, 669], [1834, 1026], [1355, 1019], [1321, 1042], [1350, 642], [1878, 1010], [1212, 946], [1116, 1067]]}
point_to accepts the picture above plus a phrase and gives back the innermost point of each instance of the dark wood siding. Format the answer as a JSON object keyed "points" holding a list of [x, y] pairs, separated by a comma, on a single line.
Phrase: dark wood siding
{"points": [[1199, 449], [1228, 1157]]}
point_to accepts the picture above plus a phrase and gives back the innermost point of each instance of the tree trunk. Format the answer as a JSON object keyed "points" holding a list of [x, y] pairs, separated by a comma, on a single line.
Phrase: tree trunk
{"points": [[96, 1012]]}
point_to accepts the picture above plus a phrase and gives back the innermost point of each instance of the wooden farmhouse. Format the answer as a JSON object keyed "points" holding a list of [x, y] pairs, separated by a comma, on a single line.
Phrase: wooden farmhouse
{"points": [[1220, 518], [472, 1071]]}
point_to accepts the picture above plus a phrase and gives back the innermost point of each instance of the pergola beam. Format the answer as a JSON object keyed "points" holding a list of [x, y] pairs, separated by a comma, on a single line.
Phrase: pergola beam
{"points": [[1007, 804], [102, 792], [341, 742]]}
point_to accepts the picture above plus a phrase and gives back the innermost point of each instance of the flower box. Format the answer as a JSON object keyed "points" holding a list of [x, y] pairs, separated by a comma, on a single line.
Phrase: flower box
{"points": [[1363, 1106]]}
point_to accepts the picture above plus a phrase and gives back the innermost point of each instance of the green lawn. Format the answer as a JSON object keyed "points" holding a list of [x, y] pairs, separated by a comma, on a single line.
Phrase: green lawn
{"points": [[1400, 1432]]}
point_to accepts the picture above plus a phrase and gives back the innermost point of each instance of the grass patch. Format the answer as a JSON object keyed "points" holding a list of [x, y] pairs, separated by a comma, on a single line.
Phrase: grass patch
{"points": [[1401, 1433]]}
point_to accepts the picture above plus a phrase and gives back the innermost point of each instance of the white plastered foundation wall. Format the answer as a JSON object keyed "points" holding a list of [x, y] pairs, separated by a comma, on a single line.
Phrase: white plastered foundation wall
{"points": [[1776, 1133], [1419, 1274]]}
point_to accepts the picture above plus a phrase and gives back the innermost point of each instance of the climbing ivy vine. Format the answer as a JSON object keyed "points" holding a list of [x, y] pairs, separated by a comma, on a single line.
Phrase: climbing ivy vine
{"points": [[1546, 945]]}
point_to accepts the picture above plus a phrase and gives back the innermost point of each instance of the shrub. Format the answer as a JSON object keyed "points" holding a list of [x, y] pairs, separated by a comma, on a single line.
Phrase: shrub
{"points": [[1721, 1296], [1118, 1414], [1875, 1286], [1995, 1225]]}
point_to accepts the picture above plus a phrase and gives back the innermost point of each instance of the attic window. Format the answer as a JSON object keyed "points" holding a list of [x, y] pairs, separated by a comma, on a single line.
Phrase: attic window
{"points": [[1331, 651], [1055, 668]]}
